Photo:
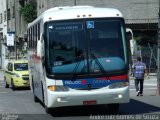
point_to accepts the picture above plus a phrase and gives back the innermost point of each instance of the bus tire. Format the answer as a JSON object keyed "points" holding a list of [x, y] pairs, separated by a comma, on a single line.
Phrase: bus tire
{"points": [[34, 96], [35, 99], [48, 110], [5, 83], [113, 108], [42, 93], [32, 86], [12, 85]]}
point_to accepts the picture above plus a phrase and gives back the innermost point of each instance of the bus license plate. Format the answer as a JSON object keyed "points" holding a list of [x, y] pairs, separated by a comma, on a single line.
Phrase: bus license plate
{"points": [[91, 102]]}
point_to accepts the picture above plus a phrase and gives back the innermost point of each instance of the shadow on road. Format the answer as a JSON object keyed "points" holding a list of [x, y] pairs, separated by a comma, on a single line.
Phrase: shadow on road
{"points": [[132, 108], [80, 111], [22, 89], [139, 107]]}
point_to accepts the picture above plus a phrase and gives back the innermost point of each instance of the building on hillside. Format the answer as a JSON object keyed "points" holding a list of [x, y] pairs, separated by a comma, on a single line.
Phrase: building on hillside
{"points": [[11, 24], [140, 15], [17, 26]]}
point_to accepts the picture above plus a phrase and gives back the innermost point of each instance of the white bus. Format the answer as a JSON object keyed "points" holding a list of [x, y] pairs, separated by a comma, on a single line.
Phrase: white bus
{"points": [[79, 56]]}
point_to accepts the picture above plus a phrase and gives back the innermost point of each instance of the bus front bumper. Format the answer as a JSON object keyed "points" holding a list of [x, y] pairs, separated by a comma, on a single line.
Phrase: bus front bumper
{"points": [[88, 97]]}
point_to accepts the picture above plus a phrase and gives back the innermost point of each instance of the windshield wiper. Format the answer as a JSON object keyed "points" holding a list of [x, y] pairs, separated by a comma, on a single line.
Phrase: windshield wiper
{"points": [[98, 63], [93, 57], [77, 65]]}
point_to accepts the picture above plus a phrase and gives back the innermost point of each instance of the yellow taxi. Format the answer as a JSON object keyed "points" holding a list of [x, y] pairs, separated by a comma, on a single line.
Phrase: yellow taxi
{"points": [[16, 74]]}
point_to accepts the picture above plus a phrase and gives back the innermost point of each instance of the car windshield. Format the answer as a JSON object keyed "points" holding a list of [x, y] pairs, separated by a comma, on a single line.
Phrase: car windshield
{"points": [[89, 46], [20, 66]]}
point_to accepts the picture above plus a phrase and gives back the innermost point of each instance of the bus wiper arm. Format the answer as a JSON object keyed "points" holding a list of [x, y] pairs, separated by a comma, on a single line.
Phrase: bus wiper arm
{"points": [[77, 65], [98, 63]]}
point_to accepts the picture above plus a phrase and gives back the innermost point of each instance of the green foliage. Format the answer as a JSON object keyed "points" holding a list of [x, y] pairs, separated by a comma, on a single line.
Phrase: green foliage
{"points": [[143, 40], [29, 11]]}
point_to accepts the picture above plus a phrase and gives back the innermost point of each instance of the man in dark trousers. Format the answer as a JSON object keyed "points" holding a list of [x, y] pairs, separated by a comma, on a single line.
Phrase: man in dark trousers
{"points": [[139, 70]]}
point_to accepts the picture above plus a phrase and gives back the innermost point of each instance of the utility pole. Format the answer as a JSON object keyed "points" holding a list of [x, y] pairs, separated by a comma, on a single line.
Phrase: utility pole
{"points": [[158, 55], [75, 2], [15, 24]]}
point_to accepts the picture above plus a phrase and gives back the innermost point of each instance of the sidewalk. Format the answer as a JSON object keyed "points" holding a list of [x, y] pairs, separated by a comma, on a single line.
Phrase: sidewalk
{"points": [[149, 103]]}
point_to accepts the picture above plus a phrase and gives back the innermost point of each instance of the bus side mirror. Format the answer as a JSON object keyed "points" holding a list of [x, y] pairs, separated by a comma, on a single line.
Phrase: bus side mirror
{"points": [[40, 47]]}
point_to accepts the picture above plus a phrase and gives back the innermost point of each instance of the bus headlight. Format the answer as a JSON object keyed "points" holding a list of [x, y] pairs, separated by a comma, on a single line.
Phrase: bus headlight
{"points": [[118, 85], [58, 88]]}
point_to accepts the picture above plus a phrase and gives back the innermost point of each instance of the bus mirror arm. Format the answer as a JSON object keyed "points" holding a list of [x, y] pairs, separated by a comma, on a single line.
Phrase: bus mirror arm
{"points": [[40, 47]]}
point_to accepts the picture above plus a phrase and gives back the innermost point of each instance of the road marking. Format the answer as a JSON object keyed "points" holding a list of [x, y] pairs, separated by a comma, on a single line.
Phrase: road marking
{"points": [[150, 84], [144, 89], [147, 84], [3, 92], [2, 86]]}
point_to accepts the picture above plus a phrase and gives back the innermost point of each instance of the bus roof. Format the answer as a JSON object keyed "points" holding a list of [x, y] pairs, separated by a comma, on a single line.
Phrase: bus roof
{"points": [[76, 12]]}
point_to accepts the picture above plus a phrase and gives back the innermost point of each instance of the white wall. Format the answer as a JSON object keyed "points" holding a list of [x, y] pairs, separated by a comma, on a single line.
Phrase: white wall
{"points": [[134, 11], [4, 61], [4, 23], [4, 30]]}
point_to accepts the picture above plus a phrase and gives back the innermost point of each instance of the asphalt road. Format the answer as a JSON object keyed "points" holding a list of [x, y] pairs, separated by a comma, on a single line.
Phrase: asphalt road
{"points": [[19, 104]]}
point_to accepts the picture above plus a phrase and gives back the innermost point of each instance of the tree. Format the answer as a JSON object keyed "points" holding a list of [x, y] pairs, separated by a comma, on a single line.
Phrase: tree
{"points": [[28, 11]]}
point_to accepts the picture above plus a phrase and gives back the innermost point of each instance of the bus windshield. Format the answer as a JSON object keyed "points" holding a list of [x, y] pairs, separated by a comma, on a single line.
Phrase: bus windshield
{"points": [[85, 46]]}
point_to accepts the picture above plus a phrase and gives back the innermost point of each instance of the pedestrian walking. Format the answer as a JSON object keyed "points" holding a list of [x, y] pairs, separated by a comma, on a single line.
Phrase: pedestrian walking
{"points": [[139, 70]]}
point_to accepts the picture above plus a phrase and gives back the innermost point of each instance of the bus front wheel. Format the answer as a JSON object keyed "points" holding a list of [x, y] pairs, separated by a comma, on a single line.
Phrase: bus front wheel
{"points": [[48, 110], [113, 108]]}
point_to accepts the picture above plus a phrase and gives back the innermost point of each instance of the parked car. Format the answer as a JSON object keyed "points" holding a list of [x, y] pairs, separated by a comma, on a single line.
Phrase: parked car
{"points": [[16, 74]]}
